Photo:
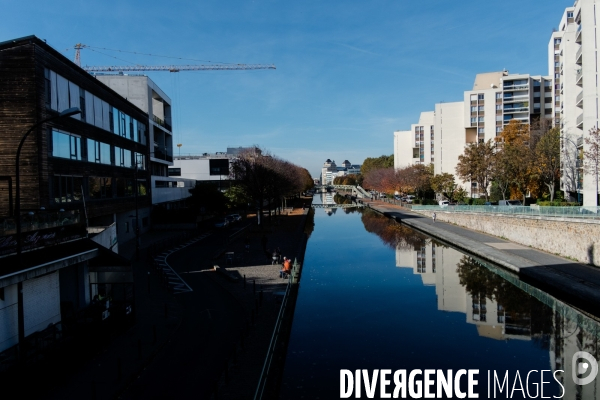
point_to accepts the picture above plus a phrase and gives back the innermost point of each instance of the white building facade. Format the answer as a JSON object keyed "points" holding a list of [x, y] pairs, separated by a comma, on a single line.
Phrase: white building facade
{"points": [[572, 60]]}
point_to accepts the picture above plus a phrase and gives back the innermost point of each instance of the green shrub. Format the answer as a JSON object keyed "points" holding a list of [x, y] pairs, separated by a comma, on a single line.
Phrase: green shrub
{"points": [[556, 203]]}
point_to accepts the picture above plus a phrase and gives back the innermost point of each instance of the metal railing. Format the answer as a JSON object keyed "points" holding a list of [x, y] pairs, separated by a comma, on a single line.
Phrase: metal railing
{"points": [[586, 212], [293, 279]]}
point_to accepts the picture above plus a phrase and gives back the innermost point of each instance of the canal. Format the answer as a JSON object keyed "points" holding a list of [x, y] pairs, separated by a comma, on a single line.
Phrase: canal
{"points": [[376, 295]]}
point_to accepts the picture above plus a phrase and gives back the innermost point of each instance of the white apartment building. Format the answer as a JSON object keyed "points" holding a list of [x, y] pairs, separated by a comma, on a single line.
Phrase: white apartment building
{"points": [[573, 62], [415, 146], [328, 172], [497, 98]]}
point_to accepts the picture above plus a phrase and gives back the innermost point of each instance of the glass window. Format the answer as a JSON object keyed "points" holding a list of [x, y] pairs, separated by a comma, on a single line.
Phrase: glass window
{"points": [[134, 130], [66, 189], [65, 145], [474, 119], [480, 96], [98, 152], [124, 187], [474, 108], [99, 188], [127, 122], [481, 108], [140, 160]]}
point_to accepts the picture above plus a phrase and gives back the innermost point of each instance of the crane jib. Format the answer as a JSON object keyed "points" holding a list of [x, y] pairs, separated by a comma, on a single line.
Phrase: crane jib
{"points": [[178, 68]]}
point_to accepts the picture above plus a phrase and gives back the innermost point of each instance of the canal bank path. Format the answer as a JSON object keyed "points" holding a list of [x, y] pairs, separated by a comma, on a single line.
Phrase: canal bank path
{"points": [[572, 282], [209, 342]]}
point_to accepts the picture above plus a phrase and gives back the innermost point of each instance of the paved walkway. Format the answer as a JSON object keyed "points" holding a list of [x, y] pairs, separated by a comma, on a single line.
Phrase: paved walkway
{"points": [[573, 282], [208, 341]]}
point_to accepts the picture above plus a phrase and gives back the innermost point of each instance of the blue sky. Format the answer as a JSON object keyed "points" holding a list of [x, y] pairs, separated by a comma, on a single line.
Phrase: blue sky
{"points": [[348, 74]]}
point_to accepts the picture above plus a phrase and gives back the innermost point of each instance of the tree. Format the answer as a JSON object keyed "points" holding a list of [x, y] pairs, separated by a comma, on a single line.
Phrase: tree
{"points": [[477, 163], [376, 163], [591, 162], [547, 163], [444, 184], [517, 157]]}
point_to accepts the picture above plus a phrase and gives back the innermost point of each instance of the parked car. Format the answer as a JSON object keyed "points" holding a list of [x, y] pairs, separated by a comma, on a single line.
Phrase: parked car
{"points": [[237, 217], [221, 223], [443, 203], [510, 203], [230, 219]]}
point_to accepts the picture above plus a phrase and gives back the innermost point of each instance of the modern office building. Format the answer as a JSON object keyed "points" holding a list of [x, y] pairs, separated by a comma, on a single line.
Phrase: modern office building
{"points": [[145, 94], [328, 172], [572, 61], [77, 173]]}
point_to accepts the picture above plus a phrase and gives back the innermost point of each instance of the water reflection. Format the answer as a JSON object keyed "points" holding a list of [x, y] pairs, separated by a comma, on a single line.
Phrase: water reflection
{"points": [[375, 294], [499, 309]]}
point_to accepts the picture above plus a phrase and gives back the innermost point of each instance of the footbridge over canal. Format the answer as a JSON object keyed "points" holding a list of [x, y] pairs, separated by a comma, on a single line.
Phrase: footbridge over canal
{"points": [[356, 190]]}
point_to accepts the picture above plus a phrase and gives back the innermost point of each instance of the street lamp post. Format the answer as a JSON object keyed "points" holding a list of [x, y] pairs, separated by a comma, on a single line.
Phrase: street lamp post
{"points": [[20, 314], [576, 168], [66, 113]]}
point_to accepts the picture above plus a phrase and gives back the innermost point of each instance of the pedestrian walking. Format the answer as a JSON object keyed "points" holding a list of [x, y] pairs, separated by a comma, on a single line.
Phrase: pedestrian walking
{"points": [[433, 216]]}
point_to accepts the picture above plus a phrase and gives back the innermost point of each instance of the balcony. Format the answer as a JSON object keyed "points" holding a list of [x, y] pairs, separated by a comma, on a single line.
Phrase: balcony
{"points": [[512, 99], [579, 101], [161, 123], [516, 109], [578, 35], [579, 78], [578, 57], [516, 87], [580, 121], [580, 141]]}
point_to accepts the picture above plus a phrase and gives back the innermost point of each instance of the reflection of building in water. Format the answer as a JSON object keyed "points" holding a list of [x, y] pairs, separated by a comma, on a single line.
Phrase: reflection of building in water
{"points": [[327, 199], [437, 266], [568, 339]]}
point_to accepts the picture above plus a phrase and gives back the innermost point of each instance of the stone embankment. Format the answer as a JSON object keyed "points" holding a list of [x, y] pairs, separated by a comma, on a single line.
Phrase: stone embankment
{"points": [[572, 238], [575, 283]]}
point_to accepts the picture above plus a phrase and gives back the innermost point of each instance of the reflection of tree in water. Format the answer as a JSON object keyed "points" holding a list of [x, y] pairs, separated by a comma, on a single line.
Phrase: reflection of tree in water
{"points": [[309, 226], [339, 199], [521, 313], [391, 233]]}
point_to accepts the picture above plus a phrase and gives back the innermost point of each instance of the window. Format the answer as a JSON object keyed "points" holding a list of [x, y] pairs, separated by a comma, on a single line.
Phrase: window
{"points": [[473, 97], [481, 130], [569, 14], [65, 145], [99, 188], [98, 152], [48, 88], [124, 187], [142, 187], [498, 106], [473, 108], [66, 189], [473, 120], [123, 158], [557, 41], [140, 161], [481, 108], [498, 95], [480, 119], [480, 97]]}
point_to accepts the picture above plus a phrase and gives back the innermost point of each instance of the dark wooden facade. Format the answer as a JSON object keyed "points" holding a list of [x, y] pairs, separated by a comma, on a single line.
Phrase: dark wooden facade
{"points": [[23, 103]]}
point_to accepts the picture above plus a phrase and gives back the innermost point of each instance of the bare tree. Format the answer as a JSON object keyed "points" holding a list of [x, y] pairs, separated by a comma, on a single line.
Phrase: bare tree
{"points": [[592, 155]]}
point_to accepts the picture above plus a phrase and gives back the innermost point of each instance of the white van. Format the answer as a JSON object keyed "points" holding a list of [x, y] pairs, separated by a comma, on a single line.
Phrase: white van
{"points": [[510, 203], [443, 203]]}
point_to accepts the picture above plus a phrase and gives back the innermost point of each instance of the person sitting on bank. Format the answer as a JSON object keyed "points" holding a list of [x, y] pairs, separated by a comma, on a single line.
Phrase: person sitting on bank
{"points": [[287, 267]]}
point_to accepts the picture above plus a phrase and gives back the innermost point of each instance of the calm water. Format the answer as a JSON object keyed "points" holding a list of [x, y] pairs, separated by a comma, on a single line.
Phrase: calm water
{"points": [[375, 295]]}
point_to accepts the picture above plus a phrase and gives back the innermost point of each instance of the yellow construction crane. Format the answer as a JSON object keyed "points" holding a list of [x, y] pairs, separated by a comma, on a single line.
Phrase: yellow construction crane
{"points": [[170, 68]]}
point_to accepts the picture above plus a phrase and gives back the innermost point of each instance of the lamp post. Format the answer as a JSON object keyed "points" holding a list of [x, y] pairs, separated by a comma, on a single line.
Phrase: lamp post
{"points": [[66, 113], [576, 168], [17, 213]]}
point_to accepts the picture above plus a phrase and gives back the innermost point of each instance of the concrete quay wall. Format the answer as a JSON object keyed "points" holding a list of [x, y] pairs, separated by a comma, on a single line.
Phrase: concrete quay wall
{"points": [[570, 238]]}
